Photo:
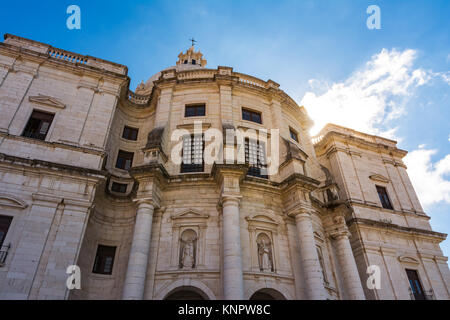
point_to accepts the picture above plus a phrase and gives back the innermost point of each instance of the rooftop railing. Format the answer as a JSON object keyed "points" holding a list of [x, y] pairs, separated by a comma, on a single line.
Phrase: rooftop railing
{"points": [[138, 99], [67, 56]]}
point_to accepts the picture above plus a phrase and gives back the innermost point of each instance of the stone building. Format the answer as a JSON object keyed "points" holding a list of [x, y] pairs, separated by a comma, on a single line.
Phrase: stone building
{"points": [[89, 177]]}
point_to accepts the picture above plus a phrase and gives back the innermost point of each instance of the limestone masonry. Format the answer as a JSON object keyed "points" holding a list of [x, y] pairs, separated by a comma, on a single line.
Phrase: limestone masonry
{"points": [[88, 178]]}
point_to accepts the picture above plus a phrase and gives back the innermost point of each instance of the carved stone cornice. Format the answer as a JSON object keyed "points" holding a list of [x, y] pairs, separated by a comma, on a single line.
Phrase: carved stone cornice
{"points": [[436, 236], [300, 180], [36, 163]]}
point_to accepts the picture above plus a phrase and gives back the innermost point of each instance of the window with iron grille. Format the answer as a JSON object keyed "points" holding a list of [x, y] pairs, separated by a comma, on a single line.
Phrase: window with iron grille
{"points": [[192, 158], [255, 156], [322, 264], [5, 222], [38, 125], [130, 133], [384, 198], [294, 134], [195, 110], [119, 187], [251, 115], [104, 260], [416, 286], [124, 160]]}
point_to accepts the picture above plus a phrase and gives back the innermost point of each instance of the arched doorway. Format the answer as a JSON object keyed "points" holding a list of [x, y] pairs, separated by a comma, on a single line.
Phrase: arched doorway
{"points": [[186, 293], [267, 294]]}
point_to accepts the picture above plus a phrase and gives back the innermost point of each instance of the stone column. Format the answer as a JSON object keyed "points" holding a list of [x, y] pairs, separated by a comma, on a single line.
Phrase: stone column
{"points": [[233, 281], [351, 280], [309, 258], [137, 263]]}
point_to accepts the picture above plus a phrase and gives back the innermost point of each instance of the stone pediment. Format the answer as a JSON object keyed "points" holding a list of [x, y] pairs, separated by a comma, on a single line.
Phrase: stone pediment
{"points": [[261, 221], [408, 259], [189, 214], [12, 201], [379, 177], [48, 101]]}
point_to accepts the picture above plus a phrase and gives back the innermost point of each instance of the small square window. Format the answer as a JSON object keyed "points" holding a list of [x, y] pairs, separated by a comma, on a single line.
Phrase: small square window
{"points": [[124, 160], [195, 110], [38, 125], [251, 115], [119, 187], [384, 198], [130, 133], [104, 260], [294, 134]]}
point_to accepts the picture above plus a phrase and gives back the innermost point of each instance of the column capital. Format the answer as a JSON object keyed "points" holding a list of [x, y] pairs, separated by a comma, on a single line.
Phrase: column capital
{"points": [[230, 198], [340, 233], [300, 212], [146, 202]]}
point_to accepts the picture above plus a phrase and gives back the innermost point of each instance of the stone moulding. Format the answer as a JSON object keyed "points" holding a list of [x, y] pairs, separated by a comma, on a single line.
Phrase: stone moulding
{"points": [[379, 178], [36, 163], [420, 232], [408, 259], [190, 215], [12, 201], [48, 101]]}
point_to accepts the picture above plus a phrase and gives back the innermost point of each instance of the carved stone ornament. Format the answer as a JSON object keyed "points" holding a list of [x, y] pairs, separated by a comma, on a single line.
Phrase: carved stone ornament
{"points": [[265, 256], [188, 249]]}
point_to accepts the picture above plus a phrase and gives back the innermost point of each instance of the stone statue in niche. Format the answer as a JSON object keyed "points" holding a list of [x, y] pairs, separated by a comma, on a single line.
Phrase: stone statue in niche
{"points": [[265, 257], [188, 246]]}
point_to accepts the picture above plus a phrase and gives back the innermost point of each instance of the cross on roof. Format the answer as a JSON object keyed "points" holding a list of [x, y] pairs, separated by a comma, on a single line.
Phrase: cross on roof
{"points": [[193, 41]]}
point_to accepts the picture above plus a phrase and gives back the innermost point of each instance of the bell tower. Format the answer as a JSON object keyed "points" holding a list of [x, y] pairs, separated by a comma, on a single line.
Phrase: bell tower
{"points": [[190, 57]]}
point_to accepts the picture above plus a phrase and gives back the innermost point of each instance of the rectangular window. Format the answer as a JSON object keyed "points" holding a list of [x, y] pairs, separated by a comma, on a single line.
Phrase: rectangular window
{"points": [[192, 158], [130, 133], [38, 125], [119, 187], [195, 110], [251, 115], [104, 260], [255, 156], [124, 160], [385, 202], [5, 222], [293, 134], [416, 286]]}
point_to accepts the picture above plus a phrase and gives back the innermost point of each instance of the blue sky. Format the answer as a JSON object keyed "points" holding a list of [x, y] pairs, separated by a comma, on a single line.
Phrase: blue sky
{"points": [[394, 81]]}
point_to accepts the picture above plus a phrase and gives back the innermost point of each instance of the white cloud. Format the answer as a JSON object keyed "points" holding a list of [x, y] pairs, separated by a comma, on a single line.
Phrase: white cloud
{"points": [[370, 98], [430, 180]]}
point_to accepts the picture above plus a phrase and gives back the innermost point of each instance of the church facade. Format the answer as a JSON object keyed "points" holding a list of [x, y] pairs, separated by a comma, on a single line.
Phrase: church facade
{"points": [[202, 184]]}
